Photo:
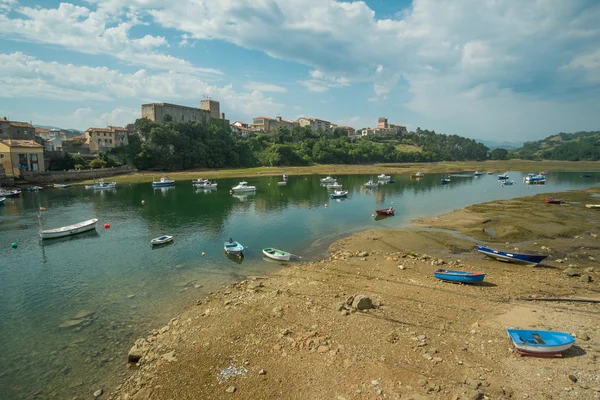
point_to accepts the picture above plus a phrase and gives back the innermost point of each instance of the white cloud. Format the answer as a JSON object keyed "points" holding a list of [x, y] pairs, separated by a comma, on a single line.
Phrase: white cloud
{"points": [[320, 82], [264, 87], [83, 118]]}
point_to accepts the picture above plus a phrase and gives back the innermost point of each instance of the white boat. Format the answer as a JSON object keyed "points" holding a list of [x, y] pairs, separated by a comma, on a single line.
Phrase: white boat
{"points": [[163, 182], [10, 193], [328, 179], [383, 177], [371, 184], [34, 189], [69, 229], [161, 240], [61, 185], [243, 187], [204, 183], [592, 205], [2, 200], [283, 183], [101, 185], [334, 185], [277, 254], [477, 173]]}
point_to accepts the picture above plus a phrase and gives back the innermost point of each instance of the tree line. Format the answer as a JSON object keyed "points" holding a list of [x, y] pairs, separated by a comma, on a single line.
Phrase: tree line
{"points": [[577, 146]]}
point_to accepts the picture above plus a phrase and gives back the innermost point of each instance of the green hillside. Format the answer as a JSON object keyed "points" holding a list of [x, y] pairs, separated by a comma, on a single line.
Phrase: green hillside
{"points": [[578, 146]]}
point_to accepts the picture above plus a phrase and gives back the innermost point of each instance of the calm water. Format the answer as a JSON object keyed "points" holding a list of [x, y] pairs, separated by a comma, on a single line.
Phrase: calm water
{"points": [[124, 288]]}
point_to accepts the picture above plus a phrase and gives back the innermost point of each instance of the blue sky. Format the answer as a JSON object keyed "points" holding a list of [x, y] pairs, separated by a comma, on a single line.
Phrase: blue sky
{"points": [[487, 69]]}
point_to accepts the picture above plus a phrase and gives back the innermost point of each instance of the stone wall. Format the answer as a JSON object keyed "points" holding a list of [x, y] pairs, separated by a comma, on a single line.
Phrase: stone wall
{"points": [[49, 177]]}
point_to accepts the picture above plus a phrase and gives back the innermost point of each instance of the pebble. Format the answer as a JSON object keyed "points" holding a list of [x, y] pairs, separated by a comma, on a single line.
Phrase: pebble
{"points": [[573, 378], [98, 393], [583, 336], [231, 389], [262, 372], [322, 349], [374, 382]]}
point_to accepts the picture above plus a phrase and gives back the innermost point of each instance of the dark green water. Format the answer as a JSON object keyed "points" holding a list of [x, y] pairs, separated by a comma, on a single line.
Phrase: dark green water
{"points": [[130, 288]]}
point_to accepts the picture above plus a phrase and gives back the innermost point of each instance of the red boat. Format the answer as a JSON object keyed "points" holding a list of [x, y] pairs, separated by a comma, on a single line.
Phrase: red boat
{"points": [[387, 211], [552, 200]]}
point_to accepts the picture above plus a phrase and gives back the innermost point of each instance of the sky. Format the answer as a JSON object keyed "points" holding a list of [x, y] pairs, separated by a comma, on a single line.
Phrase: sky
{"points": [[488, 69]]}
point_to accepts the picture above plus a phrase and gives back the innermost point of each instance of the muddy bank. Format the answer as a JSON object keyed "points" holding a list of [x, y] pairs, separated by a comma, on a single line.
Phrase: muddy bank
{"points": [[297, 334]]}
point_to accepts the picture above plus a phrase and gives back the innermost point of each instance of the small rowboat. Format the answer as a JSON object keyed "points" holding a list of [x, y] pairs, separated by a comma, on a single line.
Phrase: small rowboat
{"points": [[387, 211], [537, 342], [459, 276], [339, 194], [445, 181], [69, 229], [277, 254], [161, 240], [282, 183], [10, 193], [2, 200], [504, 176], [233, 247], [552, 200], [61, 185], [592, 205], [519, 258]]}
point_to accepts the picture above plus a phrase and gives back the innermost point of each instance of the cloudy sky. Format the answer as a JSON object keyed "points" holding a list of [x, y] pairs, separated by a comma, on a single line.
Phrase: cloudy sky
{"points": [[489, 69]]}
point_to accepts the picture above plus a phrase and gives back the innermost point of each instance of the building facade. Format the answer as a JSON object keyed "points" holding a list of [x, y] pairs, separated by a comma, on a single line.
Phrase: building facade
{"points": [[19, 155], [209, 109], [269, 125], [106, 139], [16, 130], [314, 123], [384, 127]]}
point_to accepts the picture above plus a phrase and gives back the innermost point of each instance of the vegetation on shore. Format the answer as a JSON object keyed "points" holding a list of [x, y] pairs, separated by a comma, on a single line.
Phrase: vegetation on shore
{"points": [[584, 146]]}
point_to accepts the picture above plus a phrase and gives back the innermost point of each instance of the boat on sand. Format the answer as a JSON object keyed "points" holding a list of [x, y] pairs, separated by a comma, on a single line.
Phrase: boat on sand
{"points": [[277, 254], [540, 342]]}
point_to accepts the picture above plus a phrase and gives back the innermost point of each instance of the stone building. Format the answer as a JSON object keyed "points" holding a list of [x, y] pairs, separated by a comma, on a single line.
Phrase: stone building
{"points": [[105, 139], [314, 123], [16, 130], [209, 109], [266, 124]]}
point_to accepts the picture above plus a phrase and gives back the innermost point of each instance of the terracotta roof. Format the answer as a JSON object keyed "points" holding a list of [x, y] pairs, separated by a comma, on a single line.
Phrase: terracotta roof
{"points": [[21, 124], [42, 130], [107, 130], [78, 137], [117, 128], [21, 143], [3, 119], [272, 119]]}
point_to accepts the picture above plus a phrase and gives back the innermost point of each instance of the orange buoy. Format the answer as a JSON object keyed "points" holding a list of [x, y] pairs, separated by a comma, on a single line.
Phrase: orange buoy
{"points": [[42, 208], [106, 226]]}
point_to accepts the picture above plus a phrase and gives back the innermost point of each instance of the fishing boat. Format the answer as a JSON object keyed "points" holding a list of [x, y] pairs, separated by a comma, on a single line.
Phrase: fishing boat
{"points": [[334, 185], [417, 175], [386, 211], [233, 247], [518, 258], [101, 185], [328, 179], [163, 182], [503, 176], [553, 200], [204, 183], [477, 173], [161, 240], [383, 177], [339, 194], [535, 179], [371, 184], [277, 254], [490, 173], [592, 205], [243, 187], [10, 193], [69, 229], [539, 342], [445, 181], [459, 276], [34, 189], [2, 200], [508, 182]]}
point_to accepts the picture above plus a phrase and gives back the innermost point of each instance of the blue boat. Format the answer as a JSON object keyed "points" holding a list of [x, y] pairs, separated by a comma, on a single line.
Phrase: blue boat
{"points": [[537, 342], [233, 247], [445, 181], [164, 182], [459, 276], [502, 177], [339, 194], [518, 258]]}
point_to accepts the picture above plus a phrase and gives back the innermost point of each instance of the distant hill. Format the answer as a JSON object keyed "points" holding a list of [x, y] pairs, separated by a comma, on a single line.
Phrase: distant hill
{"points": [[70, 132], [578, 146], [504, 145]]}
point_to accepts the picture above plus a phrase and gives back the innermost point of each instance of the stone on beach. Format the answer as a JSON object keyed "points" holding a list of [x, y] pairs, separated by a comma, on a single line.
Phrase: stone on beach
{"points": [[362, 302]]}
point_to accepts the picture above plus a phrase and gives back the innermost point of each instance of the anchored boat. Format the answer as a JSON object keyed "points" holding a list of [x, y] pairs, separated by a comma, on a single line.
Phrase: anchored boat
{"points": [[161, 240], [69, 229], [277, 254], [233, 247], [386, 211]]}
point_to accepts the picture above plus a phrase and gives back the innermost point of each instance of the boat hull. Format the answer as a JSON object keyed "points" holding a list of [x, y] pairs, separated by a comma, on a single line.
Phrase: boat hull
{"points": [[517, 258], [161, 240], [233, 248], [459, 276], [388, 211], [275, 254], [592, 205], [551, 200], [69, 229], [2, 200], [540, 342], [162, 184]]}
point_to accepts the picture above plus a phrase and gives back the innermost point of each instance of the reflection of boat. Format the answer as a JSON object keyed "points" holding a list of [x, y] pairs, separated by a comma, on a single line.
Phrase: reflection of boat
{"points": [[161, 240], [552, 200], [592, 205], [538, 342], [334, 185], [61, 185], [383, 177], [69, 229], [10, 193], [204, 183], [233, 247], [277, 254], [87, 234], [459, 276], [237, 258], [507, 182], [205, 189], [417, 175], [243, 197], [587, 175], [371, 184], [243, 187], [445, 181], [328, 179], [338, 194], [282, 183], [386, 211], [163, 182], [518, 258]]}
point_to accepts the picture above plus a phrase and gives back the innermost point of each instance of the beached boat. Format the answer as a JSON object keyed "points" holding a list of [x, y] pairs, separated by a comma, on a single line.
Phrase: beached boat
{"points": [[339, 194], [518, 258], [204, 183], [334, 185], [233, 247], [371, 184], [10, 193], [592, 205], [459, 276], [2, 200], [328, 179], [553, 200], [161, 240], [277, 254], [383, 177], [163, 182], [490, 173], [61, 185], [243, 187], [539, 342], [477, 173], [503, 176], [445, 181], [69, 229], [386, 211]]}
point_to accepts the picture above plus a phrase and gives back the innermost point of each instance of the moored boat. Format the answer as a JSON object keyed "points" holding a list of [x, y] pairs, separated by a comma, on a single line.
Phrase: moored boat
{"points": [[535, 179], [61, 185], [334, 185], [34, 189], [277, 254], [285, 176], [477, 173], [445, 181], [161, 240], [2, 200], [328, 179], [518, 258], [383, 177], [338, 194], [233, 247], [10, 193], [459, 276], [163, 182], [386, 211], [371, 184], [553, 200], [101, 185], [69, 229], [417, 175], [503, 176], [204, 183], [243, 187], [540, 342]]}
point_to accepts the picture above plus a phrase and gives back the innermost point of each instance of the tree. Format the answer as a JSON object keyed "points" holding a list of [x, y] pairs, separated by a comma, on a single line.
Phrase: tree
{"points": [[97, 163], [499, 154]]}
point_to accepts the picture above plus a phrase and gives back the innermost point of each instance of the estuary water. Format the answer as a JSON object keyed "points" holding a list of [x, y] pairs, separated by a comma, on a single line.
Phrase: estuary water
{"points": [[70, 308]]}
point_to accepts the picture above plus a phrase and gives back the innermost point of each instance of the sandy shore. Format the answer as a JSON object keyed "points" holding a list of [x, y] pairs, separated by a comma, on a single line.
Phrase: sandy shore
{"points": [[293, 334]]}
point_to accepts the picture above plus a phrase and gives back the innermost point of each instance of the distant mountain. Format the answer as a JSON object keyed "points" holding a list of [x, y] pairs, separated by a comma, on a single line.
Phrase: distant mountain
{"points": [[70, 132], [578, 146], [505, 145]]}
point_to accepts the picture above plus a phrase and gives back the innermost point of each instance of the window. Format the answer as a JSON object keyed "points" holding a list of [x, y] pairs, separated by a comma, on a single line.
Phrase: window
{"points": [[33, 158], [110, 141], [104, 133], [23, 162]]}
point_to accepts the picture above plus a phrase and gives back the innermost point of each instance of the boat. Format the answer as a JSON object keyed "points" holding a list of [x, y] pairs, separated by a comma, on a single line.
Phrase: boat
{"points": [[539, 342], [386, 211], [277, 254], [61, 185], [508, 182], [101, 185], [445, 181], [503, 176], [587, 175], [518, 258], [2, 200], [69, 229], [328, 179], [417, 175], [338, 194], [371, 184], [204, 183], [243, 187], [535, 179], [283, 183], [163, 182], [592, 205], [459, 276], [285, 176], [334, 185], [10, 193], [391, 181], [383, 177], [161, 240], [477, 173], [552, 200], [233, 247], [34, 189], [490, 173]]}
